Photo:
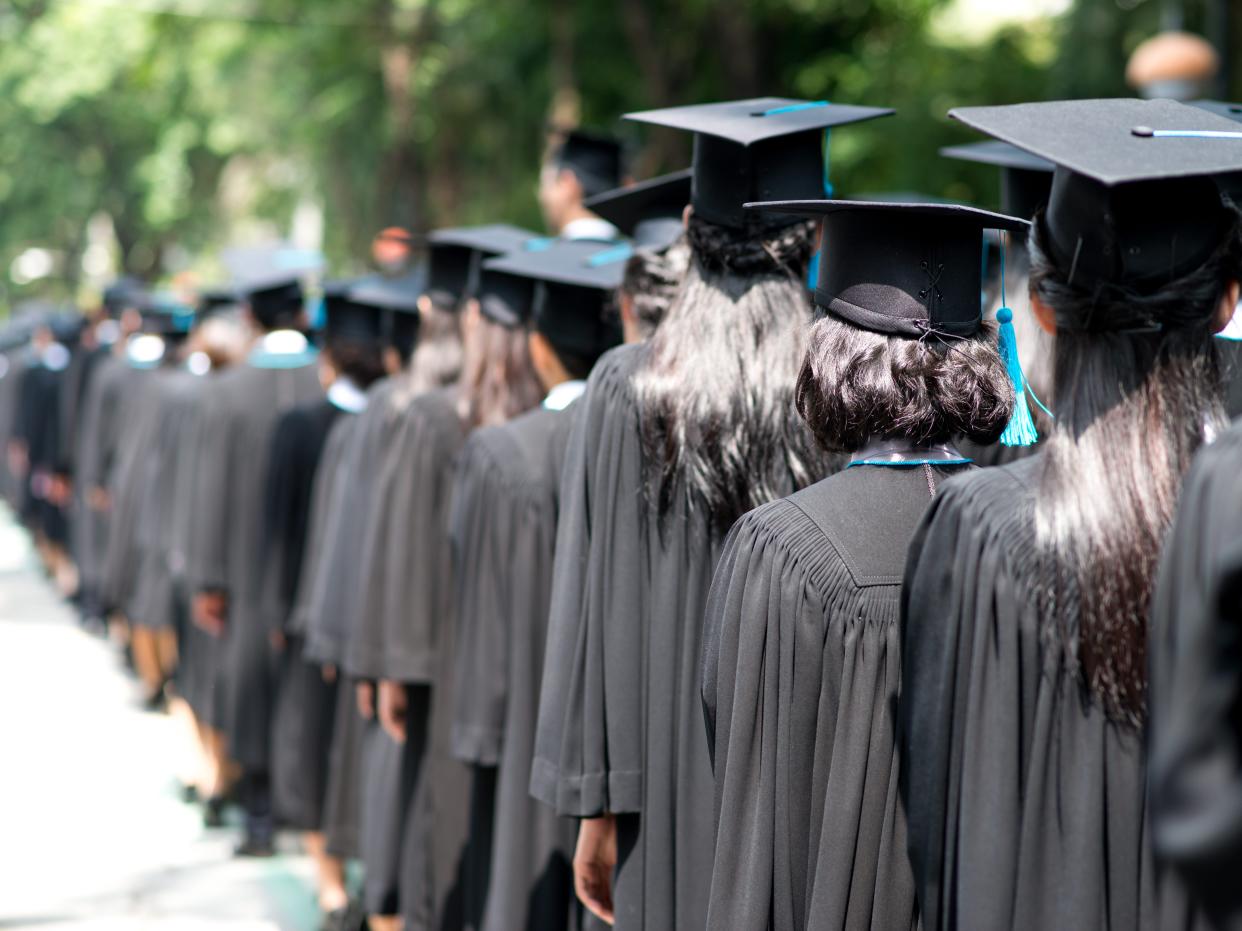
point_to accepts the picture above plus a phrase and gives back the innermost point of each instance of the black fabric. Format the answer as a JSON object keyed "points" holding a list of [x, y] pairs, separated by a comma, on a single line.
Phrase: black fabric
{"points": [[620, 724], [1229, 351], [1196, 688], [504, 531], [1025, 804], [801, 672], [227, 551]]}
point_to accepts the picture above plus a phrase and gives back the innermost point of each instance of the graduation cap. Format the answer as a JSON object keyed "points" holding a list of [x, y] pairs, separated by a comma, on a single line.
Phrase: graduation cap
{"points": [[767, 148], [126, 293], [903, 269], [395, 300], [571, 285], [216, 299], [456, 254], [163, 314], [1026, 179], [649, 212], [594, 158], [1134, 200], [273, 300], [1230, 111], [347, 320]]}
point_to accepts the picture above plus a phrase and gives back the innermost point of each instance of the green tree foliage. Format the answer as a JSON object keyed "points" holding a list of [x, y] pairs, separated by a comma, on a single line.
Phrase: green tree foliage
{"points": [[191, 122]]}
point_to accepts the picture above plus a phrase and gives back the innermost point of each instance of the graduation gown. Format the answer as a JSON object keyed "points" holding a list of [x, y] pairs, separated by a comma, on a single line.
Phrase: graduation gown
{"points": [[1229, 352], [306, 700], [504, 535], [1025, 803], [238, 419], [620, 714], [403, 633], [1196, 686], [801, 673]]}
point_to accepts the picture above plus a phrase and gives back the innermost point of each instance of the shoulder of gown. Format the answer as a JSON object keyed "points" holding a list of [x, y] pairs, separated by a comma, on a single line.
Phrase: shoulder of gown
{"points": [[1196, 741]]}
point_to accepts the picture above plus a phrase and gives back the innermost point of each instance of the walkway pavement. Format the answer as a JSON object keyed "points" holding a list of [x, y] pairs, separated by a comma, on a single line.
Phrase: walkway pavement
{"points": [[93, 834]]}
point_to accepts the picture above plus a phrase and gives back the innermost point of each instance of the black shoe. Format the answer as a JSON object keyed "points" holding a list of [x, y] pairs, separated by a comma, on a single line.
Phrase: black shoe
{"points": [[213, 811], [341, 919], [255, 847]]}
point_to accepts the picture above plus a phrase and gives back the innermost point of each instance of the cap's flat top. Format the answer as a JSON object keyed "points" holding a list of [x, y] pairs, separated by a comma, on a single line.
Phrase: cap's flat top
{"points": [[271, 284], [495, 238], [1230, 111], [573, 262], [749, 121], [995, 152], [395, 293], [654, 190], [1096, 138], [625, 207], [984, 219]]}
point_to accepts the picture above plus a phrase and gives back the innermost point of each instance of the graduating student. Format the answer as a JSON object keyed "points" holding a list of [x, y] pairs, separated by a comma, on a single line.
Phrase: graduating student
{"points": [[403, 638], [227, 567], [1025, 607], [307, 447], [802, 656], [503, 533], [580, 165], [1194, 777], [673, 441]]}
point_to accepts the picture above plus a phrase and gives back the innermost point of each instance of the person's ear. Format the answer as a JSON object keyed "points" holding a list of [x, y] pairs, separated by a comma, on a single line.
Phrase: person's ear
{"points": [[1228, 306], [1045, 316], [686, 215]]}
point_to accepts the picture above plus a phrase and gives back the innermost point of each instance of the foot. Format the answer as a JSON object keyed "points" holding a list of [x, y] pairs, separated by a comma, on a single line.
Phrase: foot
{"points": [[255, 847], [345, 918], [213, 811]]}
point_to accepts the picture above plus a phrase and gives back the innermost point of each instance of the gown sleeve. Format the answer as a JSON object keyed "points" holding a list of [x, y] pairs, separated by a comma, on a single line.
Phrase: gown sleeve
{"points": [[486, 553], [289, 475], [588, 749], [209, 504], [1196, 694]]}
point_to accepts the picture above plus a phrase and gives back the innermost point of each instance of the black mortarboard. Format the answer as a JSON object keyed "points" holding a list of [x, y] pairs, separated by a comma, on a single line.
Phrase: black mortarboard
{"points": [[216, 300], [1230, 183], [455, 256], [347, 320], [163, 314], [1129, 205], [396, 299], [126, 293], [649, 212], [275, 300], [1026, 179], [768, 148], [905, 269], [573, 283], [593, 157]]}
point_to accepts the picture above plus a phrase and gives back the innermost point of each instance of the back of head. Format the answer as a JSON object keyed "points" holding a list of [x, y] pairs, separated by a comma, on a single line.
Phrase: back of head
{"points": [[1136, 388], [498, 380], [652, 281], [715, 389]]}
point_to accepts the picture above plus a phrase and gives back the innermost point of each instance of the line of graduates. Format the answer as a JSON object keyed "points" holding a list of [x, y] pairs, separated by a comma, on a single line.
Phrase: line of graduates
{"points": [[738, 556]]}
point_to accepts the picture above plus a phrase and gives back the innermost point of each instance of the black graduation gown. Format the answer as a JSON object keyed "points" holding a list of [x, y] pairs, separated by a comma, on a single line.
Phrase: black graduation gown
{"points": [[504, 535], [12, 372], [103, 422], [1025, 803], [239, 415], [39, 431], [403, 633], [620, 713], [306, 701], [801, 673], [1196, 692]]}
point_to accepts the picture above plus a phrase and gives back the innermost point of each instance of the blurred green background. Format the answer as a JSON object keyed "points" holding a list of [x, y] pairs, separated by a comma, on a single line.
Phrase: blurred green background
{"points": [[143, 135]]}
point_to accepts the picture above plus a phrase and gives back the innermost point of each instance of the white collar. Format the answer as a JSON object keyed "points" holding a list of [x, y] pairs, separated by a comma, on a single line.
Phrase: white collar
{"points": [[347, 396], [1234, 329], [590, 228], [564, 395], [283, 343]]}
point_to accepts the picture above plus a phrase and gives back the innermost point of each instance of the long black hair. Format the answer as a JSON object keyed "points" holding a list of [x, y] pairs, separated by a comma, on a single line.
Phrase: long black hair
{"points": [[856, 386], [652, 280], [1136, 389], [715, 389], [498, 379]]}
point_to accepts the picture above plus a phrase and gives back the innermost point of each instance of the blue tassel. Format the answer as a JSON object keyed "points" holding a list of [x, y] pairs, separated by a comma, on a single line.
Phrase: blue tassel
{"points": [[1021, 429]]}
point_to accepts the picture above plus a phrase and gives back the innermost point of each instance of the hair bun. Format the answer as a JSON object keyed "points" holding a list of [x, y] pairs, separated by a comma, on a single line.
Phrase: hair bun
{"points": [[753, 250]]}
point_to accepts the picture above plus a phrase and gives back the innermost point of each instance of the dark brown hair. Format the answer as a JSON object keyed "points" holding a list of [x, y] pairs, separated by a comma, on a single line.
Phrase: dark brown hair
{"points": [[857, 386], [1136, 388], [498, 379]]}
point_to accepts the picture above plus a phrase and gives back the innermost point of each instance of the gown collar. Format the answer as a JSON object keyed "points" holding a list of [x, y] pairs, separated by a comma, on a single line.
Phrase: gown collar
{"points": [[902, 453], [590, 228], [345, 395], [564, 395], [282, 349]]}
